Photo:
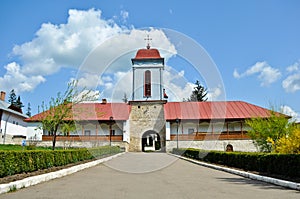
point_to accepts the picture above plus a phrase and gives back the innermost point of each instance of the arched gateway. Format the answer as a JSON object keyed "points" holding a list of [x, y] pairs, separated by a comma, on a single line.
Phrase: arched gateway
{"points": [[151, 141]]}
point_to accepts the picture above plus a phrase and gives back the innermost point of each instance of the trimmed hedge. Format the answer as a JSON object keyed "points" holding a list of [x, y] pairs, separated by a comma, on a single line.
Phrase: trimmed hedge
{"points": [[279, 164], [16, 162]]}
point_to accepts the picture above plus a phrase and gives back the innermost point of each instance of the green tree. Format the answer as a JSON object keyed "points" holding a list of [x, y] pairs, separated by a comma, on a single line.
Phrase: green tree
{"points": [[19, 103], [199, 93], [265, 132], [60, 111], [125, 98], [289, 144], [12, 98], [68, 127], [28, 111]]}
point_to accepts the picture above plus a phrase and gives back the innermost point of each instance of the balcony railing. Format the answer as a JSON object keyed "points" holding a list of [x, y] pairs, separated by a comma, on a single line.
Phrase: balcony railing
{"points": [[114, 138], [211, 136]]}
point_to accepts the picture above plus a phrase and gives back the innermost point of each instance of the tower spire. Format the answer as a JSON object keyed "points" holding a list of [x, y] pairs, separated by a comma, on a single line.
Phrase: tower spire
{"points": [[148, 41]]}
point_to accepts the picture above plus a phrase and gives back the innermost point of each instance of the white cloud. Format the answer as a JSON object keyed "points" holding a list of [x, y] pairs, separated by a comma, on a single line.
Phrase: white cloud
{"points": [[88, 80], [69, 44], [214, 93], [62, 45], [293, 68], [58, 45], [177, 87], [15, 79], [236, 74], [292, 83], [115, 54], [289, 111], [88, 95], [266, 74], [124, 14], [122, 83]]}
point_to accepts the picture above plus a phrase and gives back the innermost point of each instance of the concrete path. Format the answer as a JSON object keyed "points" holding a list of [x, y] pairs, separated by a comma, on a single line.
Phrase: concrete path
{"points": [[152, 175]]}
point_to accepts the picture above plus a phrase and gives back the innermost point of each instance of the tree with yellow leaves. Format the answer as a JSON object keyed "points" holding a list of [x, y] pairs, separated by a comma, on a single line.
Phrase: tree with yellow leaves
{"points": [[266, 132], [290, 143]]}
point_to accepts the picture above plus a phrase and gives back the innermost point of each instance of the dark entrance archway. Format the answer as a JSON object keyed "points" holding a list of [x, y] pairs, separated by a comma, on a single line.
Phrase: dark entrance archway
{"points": [[151, 141]]}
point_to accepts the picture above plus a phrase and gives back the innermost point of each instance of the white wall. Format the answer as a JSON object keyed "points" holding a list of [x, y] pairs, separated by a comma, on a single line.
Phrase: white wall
{"points": [[99, 129], [218, 145], [168, 131], [126, 133], [139, 84], [33, 131], [94, 128], [184, 126], [13, 125]]}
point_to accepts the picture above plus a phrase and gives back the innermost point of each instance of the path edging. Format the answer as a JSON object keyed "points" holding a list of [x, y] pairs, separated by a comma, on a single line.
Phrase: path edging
{"points": [[26, 182], [283, 183]]}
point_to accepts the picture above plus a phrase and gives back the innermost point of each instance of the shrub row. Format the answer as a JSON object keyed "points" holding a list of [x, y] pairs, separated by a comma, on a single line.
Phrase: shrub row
{"points": [[16, 162], [279, 164]]}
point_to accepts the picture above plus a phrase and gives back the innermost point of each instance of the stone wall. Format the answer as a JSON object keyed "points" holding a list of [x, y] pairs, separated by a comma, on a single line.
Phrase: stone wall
{"points": [[10, 139], [146, 116], [218, 145]]}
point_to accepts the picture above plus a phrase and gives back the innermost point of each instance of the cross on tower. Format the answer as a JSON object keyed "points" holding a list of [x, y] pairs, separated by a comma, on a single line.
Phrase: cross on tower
{"points": [[148, 43]]}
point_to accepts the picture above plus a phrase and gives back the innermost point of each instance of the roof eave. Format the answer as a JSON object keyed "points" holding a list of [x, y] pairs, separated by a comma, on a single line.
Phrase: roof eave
{"points": [[140, 60]]}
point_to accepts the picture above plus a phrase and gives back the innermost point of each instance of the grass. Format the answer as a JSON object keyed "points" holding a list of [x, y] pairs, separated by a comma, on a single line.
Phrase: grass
{"points": [[11, 147]]}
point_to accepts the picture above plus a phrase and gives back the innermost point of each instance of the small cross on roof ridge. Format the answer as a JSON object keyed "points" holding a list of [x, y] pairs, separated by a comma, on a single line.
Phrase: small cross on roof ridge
{"points": [[148, 39]]}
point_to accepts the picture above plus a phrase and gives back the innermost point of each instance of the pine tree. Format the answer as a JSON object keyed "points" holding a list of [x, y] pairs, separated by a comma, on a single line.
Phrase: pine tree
{"points": [[199, 93], [12, 99], [125, 98], [28, 111], [19, 104]]}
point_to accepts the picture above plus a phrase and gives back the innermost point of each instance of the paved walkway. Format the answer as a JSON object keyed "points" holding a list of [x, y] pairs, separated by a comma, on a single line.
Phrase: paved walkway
{"points": [[152, 175]]}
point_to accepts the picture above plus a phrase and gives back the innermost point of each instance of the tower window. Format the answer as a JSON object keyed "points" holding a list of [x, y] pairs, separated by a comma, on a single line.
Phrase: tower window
{"points": [[147, 84]]}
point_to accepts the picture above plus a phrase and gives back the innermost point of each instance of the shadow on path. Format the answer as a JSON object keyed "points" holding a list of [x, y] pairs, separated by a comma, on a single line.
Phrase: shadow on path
{"points": [[255, 183]]}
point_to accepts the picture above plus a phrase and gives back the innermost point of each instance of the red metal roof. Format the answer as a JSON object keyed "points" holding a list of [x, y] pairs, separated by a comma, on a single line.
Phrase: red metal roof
{"points": [[151, 53], [94, 111], [172, 110], [213, 110], [99, 111]]}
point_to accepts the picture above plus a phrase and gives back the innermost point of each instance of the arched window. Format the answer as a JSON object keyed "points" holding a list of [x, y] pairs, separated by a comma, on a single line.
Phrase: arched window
{"points": [[147, 84]]}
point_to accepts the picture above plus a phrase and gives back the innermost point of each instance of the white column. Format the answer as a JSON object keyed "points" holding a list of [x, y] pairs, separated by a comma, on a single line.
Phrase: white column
{"points": [[160, 84], [168, 131], [126, 133], [147, 140], [133, 82]]}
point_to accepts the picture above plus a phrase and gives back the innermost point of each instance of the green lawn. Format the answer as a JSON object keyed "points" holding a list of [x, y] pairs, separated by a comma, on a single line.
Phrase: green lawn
{"points": [[6, 147]]}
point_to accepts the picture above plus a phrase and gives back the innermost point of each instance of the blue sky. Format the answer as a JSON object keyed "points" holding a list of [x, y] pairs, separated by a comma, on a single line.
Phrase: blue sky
{"points": [[255, 46]]}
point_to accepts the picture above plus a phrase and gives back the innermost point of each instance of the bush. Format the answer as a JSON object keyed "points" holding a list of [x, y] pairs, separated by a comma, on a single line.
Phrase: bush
{"points": [[15, 162], [271, 163], [289, 144]]}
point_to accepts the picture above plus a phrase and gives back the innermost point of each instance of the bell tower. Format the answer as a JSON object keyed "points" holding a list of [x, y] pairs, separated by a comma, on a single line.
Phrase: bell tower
{"points": [[147, 67], [146, 120]]}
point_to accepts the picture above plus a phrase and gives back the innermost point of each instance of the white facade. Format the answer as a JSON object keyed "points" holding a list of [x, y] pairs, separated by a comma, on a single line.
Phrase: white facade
{"points": [[83, 128], [34, 132], [93, 128], [139, 80], [12, 124], [218, 145], [190, 127]]}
